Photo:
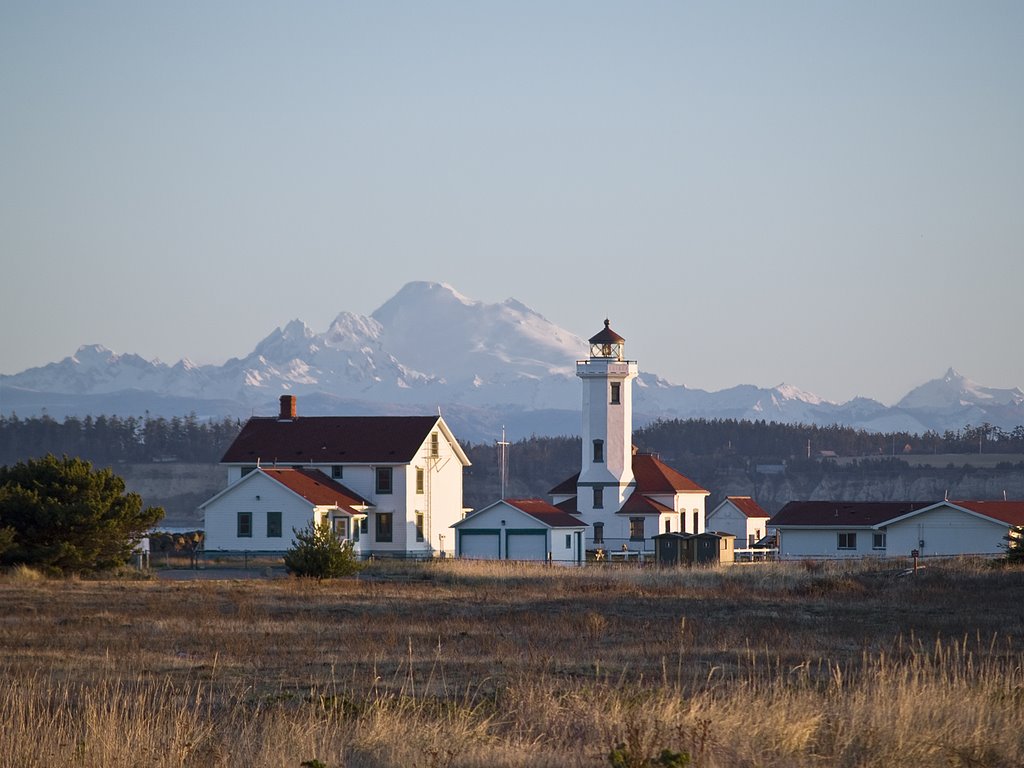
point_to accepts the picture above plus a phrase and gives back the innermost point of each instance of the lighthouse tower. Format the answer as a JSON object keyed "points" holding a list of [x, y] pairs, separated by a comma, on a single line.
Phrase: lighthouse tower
{"points": [[606, 469]]}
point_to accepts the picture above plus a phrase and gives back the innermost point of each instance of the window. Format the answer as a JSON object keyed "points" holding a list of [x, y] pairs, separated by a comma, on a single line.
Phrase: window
{"points": [[364, 524], [357, 526], [616, 393], [668, 525], [337, 472], [384, 480], [273, 525], [245, 525], [599, 533], [568, 541], [696, 521], [385, 522], [847, 541], [341, 527], [419, 526], [419, 479], [598, 451], [878, 540], [751, 540], [598, 497], [636, 529], [682, 521], [434, 444]]}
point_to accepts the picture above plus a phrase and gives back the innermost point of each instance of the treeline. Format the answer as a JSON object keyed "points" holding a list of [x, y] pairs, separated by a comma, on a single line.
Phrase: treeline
{"points": [[776, 442], [107, 440]]}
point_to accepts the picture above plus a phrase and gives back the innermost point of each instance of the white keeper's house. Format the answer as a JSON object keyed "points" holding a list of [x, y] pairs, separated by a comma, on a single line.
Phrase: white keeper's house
{"points": [[390, 484], [625, 498]]}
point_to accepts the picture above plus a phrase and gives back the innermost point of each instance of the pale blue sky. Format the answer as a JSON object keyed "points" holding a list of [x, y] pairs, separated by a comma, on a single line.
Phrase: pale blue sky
{"points": [[826, 194]]}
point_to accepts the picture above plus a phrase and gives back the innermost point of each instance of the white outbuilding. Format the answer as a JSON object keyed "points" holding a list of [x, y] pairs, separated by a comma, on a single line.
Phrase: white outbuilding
{"points": [[521, 529], [742, 517]]}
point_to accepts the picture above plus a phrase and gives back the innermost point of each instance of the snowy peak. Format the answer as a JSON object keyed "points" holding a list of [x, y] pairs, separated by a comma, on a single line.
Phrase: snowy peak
{"points": [[789, 392], [954, 390], [429, 345], [433, 328]]}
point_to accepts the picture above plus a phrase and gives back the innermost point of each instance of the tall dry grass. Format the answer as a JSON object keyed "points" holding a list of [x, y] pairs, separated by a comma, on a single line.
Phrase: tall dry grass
{"points": [[455, 664]]}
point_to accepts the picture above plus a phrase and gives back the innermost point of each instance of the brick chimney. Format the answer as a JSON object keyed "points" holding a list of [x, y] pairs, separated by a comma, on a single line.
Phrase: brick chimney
{"points": [[289, 408]]}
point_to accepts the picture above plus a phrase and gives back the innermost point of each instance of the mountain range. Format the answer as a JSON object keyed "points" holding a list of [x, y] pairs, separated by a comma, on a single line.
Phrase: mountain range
{"points": [[484, 365]]}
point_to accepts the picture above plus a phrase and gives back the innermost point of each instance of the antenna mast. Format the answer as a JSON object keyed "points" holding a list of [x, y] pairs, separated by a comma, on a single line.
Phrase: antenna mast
{"points": [[503, 460]]}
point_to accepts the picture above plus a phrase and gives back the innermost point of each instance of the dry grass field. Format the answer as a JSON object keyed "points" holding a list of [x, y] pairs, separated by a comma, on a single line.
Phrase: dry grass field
{"points": [[461, 664]]}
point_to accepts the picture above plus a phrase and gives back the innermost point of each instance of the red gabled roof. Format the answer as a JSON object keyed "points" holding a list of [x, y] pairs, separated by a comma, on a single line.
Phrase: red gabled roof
{"points": [[330, 439], [546, 513], [844, 513], [638, 504], [316, 487], [651, 475], [654, 476], [747, 506], [1011, 512]]}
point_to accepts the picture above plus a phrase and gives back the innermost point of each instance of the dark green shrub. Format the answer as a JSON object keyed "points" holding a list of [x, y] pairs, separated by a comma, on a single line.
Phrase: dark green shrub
{"points": [[318, 553]]}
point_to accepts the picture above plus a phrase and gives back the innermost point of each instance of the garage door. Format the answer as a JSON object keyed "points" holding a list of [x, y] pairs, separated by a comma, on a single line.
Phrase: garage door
{"points": [[523, 546], [481, 546]]}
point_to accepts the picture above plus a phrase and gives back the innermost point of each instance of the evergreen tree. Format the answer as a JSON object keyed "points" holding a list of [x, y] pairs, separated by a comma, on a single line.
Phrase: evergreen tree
{"points": [[67, 517]]}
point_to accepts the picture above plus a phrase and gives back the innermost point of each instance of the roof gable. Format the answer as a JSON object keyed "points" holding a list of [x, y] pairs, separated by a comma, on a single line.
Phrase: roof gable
{"points": [[1006, 512], [546, 513], [537, 509], [746, 505], [843, 513], [335, 440], [638, 504], [652, 475], [316, 487]]}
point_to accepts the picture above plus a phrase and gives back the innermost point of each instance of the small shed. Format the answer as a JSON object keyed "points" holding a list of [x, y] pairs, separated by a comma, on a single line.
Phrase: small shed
{"points": [[670, 549], [709, 548]]}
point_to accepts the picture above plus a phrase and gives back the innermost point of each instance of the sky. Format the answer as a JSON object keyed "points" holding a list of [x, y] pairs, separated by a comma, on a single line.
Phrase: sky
{"points": [[826, 194]]}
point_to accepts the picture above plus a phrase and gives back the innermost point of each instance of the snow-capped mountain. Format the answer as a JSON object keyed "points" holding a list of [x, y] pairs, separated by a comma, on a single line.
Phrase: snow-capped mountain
{"points": [[486, 365], [956, 391]]}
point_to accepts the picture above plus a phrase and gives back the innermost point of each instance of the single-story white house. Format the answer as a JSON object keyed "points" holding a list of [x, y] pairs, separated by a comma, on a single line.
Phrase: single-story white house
{"points": [[844, 529], [259, 512], [742, 517], [521, 529]]}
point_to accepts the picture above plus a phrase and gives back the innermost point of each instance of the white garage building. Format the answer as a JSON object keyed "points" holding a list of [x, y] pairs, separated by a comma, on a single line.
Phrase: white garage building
{"points": [[520, 529]]}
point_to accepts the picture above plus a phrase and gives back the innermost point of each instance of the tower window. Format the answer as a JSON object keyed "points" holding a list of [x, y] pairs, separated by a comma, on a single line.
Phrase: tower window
{"points": [[598, 497], [616, 398], [598, 451]]}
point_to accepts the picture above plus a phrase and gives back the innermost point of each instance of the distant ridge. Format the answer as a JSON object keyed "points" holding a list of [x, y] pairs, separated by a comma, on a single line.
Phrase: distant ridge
{"points": [[485, 365]]}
